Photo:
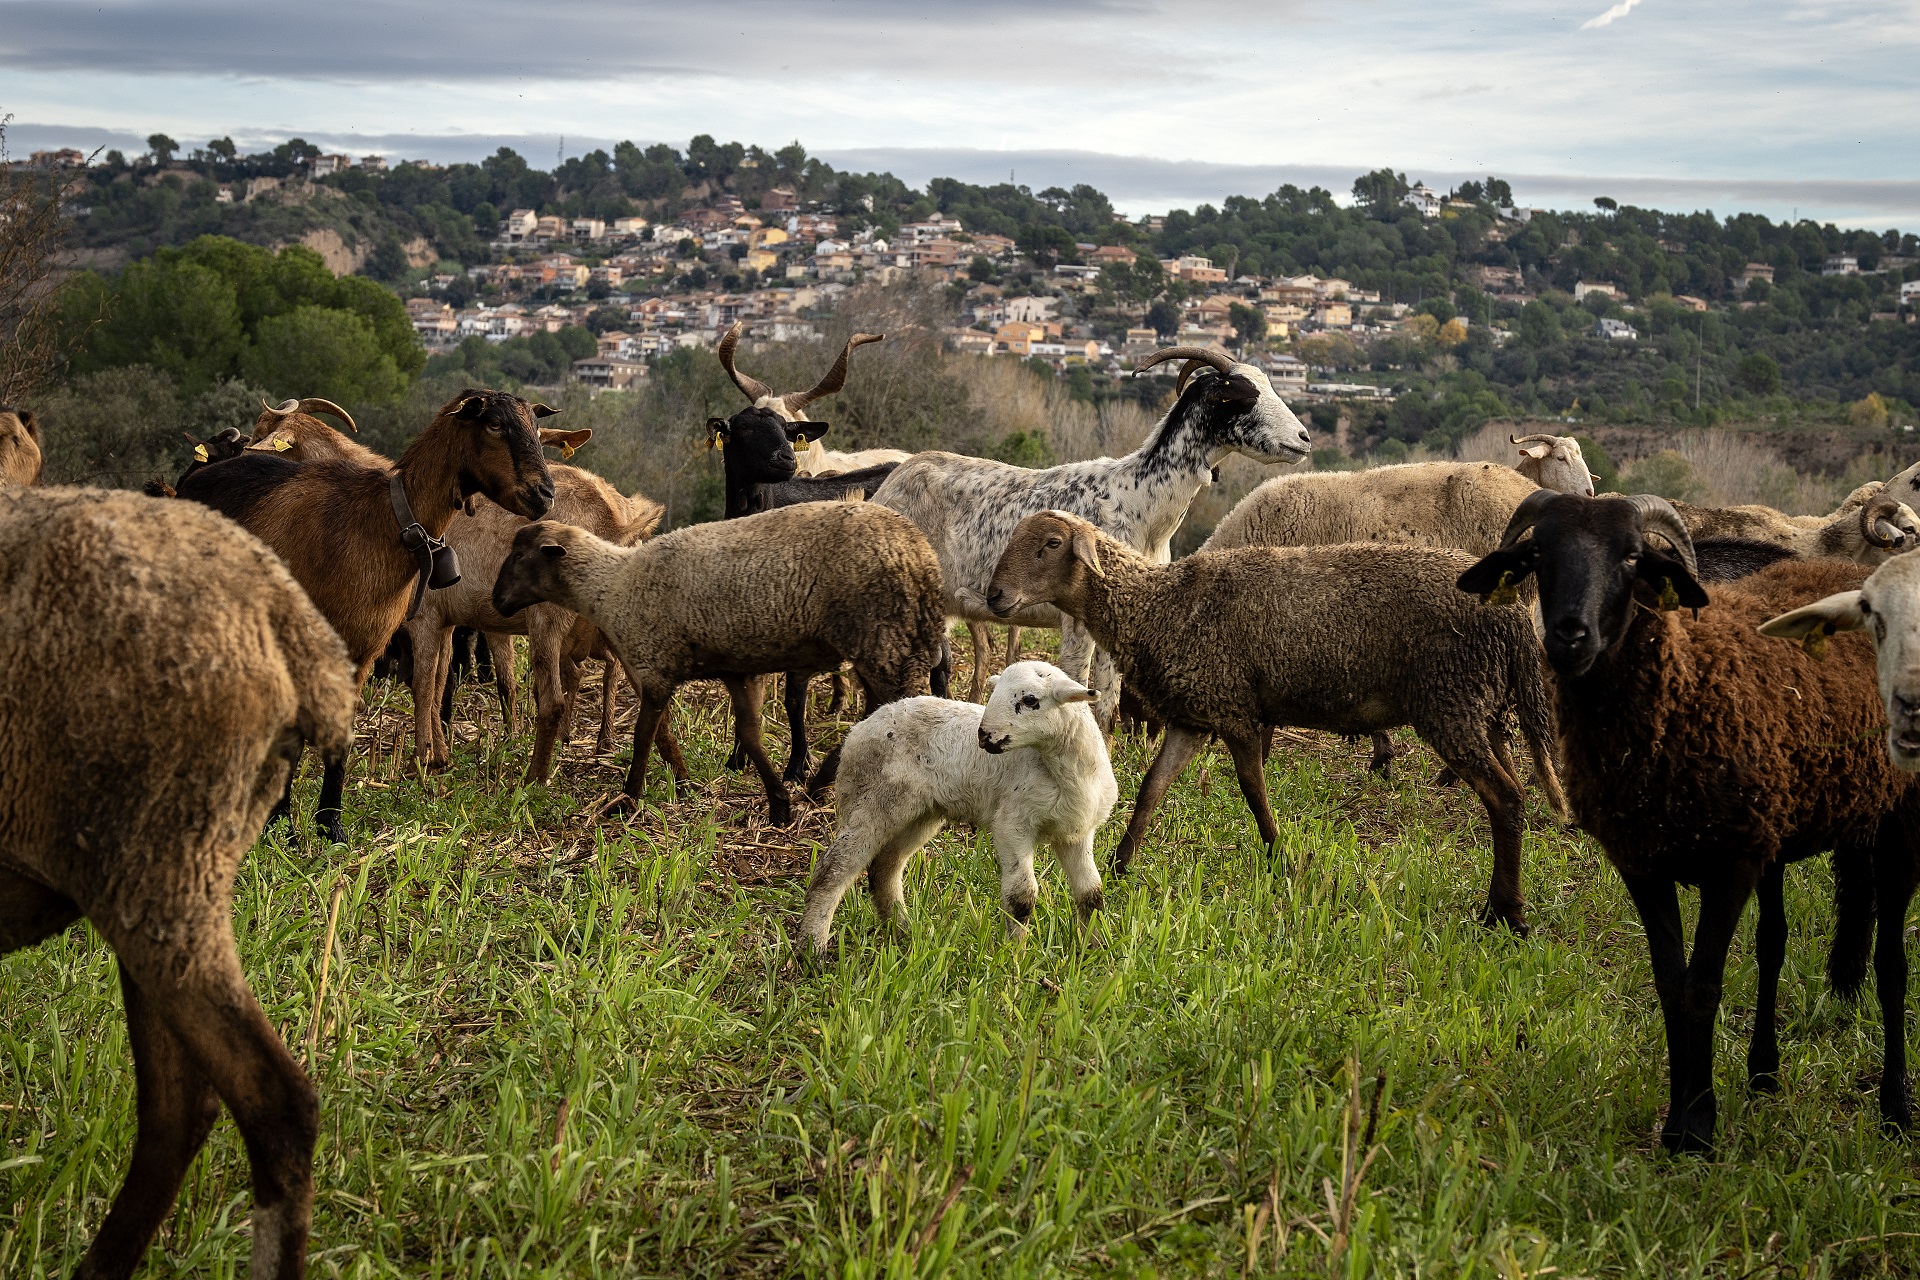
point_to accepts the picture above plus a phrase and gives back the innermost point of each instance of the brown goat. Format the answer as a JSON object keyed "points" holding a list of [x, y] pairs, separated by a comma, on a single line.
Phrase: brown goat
{"points": [[20, 458], [130, 796], [334, 525], [559, 644]]}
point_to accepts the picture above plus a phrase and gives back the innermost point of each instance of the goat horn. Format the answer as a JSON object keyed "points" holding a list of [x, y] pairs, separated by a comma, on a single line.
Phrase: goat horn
{"points": [[314, 404], [1658, 516], [752, 388], [1882, 509], [1525, 516], [285, 407], [1536, 439], [1194, 356], [836, 376]]}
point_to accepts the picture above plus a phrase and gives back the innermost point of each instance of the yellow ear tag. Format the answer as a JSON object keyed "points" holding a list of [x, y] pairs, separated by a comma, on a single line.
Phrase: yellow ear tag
{"points": [[1669, 598], [567, 451], [199, 453], [1506, 592], [1815, 643], [281, 444], [800, 442]]}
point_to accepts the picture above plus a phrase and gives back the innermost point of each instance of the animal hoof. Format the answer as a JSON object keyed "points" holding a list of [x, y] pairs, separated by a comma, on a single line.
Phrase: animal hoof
{"points": [[1764, 1081], [796, 775], [737, 761], [332, 831], [780, 813], [1514, 921], [620, 806], [1446, 778], [1686, 1141]]}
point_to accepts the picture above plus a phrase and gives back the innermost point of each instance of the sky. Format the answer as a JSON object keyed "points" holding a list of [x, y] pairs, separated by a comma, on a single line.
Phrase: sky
{"points": [[1776, 107]]}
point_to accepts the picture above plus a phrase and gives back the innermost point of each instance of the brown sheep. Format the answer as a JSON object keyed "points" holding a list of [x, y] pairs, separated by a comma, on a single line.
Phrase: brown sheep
{"points": [[334, 523], [130, 796], [1701, 752], [1351, 639], [20, 458], [799, 588]]}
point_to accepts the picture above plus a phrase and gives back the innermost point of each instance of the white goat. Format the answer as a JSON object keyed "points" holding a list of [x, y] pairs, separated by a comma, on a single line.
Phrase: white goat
{"points": [[1030, 767], [968, 507]]}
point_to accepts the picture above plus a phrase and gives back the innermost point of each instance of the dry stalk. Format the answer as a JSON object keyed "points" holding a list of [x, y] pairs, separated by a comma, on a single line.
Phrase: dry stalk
{"points": [[1341, 1207], [559, 1133], [962, 1176], [33, 239], [326, 965]]}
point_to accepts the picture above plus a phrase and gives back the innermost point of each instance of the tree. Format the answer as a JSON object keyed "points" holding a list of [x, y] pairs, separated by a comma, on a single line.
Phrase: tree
{"points": [[223, 150], [1046, 245], [1381, 192], [1163, 318], [1540, 326], [980, 269], [1606, 202], [36, 327], [321, 351], [162, 148], [1758, 374], [1499, 194], [1248, 322]]}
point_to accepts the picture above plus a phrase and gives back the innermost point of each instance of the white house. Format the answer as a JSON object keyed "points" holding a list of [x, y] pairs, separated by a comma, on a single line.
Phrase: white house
{"points": [[1910, 293], [1615, 330], [1426, 200], [1031, 310], [520, 225]]}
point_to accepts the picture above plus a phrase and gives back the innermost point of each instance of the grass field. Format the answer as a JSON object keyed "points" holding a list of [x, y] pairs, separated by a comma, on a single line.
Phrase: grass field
{"points": [[554, 1048]]}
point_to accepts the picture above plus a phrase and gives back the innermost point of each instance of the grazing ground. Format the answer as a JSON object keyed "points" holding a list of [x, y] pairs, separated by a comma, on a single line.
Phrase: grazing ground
{"points": [[550, 1047]]}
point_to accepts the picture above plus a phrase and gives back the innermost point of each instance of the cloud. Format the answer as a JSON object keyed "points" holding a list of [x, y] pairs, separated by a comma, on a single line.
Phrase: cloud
{"points": [[1611, 16]]}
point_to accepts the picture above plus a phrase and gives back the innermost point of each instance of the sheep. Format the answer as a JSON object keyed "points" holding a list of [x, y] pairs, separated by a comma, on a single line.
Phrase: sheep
{"points": [[1698, 751], [361, 539], [20, 457], [1030, 767], [1839, 536], [1553, 462], [480, 538], [1352, 639], [800, 588], [815, 458], [1884, 606], [757, 451], [967, 507], [129, 796]]}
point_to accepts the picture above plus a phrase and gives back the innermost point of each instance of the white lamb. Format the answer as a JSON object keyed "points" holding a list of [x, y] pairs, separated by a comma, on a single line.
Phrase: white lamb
{"points": [[1030, 766]]}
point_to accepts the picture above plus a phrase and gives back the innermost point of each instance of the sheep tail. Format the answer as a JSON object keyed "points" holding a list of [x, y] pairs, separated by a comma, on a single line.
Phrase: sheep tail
{"points": [[1533, 703], [1853, 918]]}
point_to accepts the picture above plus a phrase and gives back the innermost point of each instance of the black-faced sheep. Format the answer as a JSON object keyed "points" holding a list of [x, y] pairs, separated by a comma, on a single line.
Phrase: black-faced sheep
{"points": [[802, 588], [1031, 767], [129, 796], [1699, 752], [1350, 639], [968, 507]]}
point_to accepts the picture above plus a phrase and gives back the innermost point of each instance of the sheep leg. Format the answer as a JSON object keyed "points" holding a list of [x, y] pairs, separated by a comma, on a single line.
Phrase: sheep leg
{"points": [[887, 871], [1107, 684], [676, 763], [333, 782], [795, 692], [1018, 888], [982, 658], [1770, 948], [1253, 786], [1083, 876], [1013, 645], [738, 759], [609, 700], [30, 912], [746, 692], [1894, 874], [1506, 814], [1076, 649], [1382, 762], [505, 681], [646, 724], [550, 693], [838, 702], [176, 1109], [1177, 750], [940, 674]]}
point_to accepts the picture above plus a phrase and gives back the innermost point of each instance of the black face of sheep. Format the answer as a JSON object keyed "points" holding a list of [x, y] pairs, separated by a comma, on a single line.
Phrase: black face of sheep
{"points": [[758, 445], [1595, 562], [530, 574]]}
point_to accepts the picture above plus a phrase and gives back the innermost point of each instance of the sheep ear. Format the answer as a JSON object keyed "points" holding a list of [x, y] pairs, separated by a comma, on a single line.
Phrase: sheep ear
{"points": [[552, 550], [470, 408], [1086, 552], [33, 428], [1840, 612], [544, 411], [717, 433], [1064, 689], [993, 682], [1535, 451], [1667, 575], [1497, 572]]}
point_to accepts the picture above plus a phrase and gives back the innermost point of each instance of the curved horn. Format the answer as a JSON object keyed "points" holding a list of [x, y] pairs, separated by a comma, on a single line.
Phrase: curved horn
{"points": [[284, 408], [314, 404], [1525, 515], [752, 388], [1658, 516], [1194, 356], [1534, 439], [836, 376], [1882, 509]]}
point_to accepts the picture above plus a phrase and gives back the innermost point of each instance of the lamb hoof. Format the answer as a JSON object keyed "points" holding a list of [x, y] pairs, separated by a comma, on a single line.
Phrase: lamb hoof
{"points": [[620, 806], [1382, 765]]}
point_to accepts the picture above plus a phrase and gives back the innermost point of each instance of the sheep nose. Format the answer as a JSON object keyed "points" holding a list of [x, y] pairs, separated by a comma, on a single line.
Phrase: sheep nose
{"points": [[990, 743], [1570, 631], [994, 598], [1905, 707]]}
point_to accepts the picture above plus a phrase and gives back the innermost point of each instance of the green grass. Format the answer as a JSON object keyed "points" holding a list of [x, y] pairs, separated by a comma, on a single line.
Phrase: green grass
{"points": [[1119, 1102]]}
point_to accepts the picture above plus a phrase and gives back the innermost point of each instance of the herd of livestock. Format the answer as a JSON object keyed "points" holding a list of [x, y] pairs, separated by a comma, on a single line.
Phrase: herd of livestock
{"points": [[1685, 680]]}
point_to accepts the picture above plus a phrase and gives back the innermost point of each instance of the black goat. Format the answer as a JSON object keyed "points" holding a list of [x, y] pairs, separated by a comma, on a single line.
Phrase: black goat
{"points": [[757, 451], [230, 443], [1700, 752]]}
